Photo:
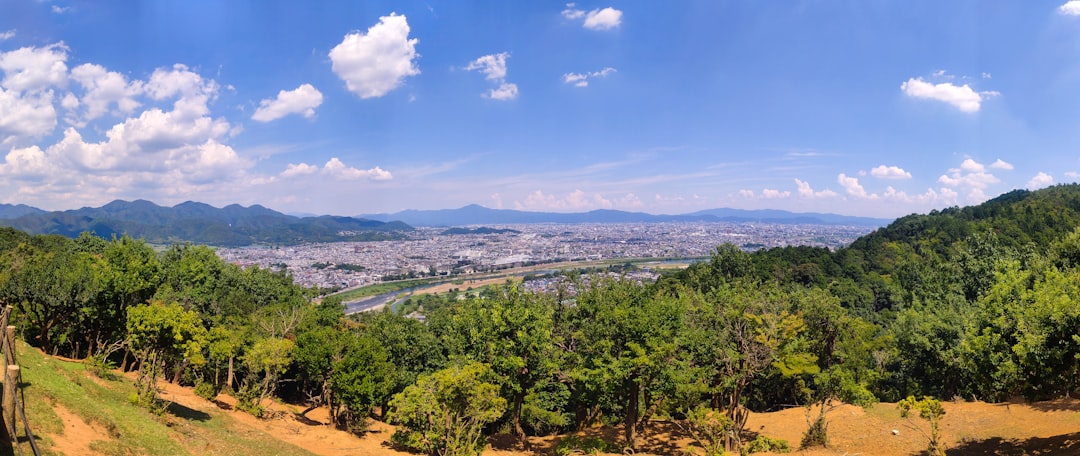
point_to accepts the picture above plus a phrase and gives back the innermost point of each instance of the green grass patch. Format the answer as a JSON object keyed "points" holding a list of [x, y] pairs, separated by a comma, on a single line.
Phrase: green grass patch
{"points": [[380, 288], [130, 429]]}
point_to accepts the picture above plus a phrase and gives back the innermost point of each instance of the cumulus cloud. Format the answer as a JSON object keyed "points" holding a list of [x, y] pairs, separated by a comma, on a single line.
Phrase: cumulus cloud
{"points": [[806, 191], [961, 97], [337, 169], [852, 187], [582, 79], [25, 116], [890, 172], [1001, 164], [1040, 180], [157, 152], [769, 193], [493, 66], [104, 88], [374, 63], [34, 68], [572, 13], [576, 200], [972, 177], [597, 19], [7, 35], [303, 100], [1070, 8]]}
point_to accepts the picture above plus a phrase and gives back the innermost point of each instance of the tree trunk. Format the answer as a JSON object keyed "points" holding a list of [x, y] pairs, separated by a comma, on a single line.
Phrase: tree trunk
{"points": [[519, 398], [630, 424], [229, 378], [180, 371]]}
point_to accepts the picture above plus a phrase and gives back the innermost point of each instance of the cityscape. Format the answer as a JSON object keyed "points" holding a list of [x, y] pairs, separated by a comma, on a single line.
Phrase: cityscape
{"points": [[430, 251]]}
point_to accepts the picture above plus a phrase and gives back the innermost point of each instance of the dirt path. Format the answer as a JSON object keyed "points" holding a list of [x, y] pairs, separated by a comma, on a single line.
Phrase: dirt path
{"points": [[968, 428], [78, 434]]}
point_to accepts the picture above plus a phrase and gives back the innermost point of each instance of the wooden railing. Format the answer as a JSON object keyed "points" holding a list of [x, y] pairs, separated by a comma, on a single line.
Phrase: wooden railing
{"points": [[12, 400]]}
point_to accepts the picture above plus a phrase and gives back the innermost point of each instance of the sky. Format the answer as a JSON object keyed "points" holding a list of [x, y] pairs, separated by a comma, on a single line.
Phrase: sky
{"points": [[852, 107]]}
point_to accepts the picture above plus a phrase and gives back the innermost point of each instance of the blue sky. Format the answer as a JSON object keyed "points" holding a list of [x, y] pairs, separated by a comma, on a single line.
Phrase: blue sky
{"points": [[852, 107]]}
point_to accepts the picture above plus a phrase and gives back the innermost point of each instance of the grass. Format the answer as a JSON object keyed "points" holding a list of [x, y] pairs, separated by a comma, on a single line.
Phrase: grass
{"points": [[380, 288], [130, 429]]}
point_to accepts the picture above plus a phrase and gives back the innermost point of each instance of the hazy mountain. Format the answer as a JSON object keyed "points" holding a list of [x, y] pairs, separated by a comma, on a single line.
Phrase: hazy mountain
{"points": [[478, 215], [9, 211], [232, 225]]}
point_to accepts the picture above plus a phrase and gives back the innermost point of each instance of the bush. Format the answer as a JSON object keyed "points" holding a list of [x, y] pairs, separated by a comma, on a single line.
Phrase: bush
{"points": [[101, 366], [762, 444], [573, 445], [248, 400], [205, 390]]}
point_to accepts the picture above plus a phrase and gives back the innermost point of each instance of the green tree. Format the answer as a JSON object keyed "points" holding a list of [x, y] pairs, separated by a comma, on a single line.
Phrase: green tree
{"points": [[445, 413], [160, 334]]}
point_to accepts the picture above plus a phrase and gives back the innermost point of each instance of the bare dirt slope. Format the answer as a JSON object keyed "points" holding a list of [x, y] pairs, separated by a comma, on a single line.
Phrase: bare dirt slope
{"points": [[969, 428]]}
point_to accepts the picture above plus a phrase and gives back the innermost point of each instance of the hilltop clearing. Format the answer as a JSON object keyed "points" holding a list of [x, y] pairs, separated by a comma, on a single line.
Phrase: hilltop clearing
{"points": [[75, 413]]}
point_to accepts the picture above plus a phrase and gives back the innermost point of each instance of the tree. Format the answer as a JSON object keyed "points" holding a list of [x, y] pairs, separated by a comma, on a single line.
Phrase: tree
{"points": [[444, 413], [510, 331], [929, 409], [160, 334]]}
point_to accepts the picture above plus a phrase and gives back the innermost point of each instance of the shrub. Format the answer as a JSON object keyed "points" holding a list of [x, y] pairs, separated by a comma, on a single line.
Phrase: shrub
{"points": [[573, 445], [205, 390], [762, 444]]}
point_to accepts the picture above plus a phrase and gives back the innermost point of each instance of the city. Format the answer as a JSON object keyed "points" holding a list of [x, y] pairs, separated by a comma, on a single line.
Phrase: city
{"points": [[430, 251]]}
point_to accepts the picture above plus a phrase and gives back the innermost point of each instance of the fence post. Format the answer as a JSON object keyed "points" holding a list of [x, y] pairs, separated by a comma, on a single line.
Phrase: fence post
{"points": [[11, 383], [9, 338]]}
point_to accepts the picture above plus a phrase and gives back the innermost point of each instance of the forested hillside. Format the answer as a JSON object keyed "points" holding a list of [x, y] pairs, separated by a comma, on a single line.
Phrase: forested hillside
{"points": [[199, 223], [971, 303]]}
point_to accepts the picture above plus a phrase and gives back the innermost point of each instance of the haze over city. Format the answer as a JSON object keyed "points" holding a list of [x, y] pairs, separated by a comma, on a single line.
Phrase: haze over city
{"points": [[874, 109]]}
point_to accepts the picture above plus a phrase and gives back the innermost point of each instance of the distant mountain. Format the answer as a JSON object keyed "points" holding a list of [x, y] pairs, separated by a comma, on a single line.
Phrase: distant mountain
{"points": [[478, 215], [10, 211], [232, 225]]}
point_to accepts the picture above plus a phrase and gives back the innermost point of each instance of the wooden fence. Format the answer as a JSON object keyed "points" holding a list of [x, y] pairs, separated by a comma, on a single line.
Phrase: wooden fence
{"points": [[12, 400]]}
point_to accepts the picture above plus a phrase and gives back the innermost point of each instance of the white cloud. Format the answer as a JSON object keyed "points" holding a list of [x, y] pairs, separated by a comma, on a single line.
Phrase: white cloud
{"points": [[806, 191], [494, 68], [597, 19], [25, 164], [60, 9], [1001, 164], [505, 91], [1040, 180], [962, 97], [303, 100], [582, 79], [577, 200], [572, 13], [1070, 8], [972, 166], [7, 35], [971, 177], [603, 19], [336, 168], [492, 65], [745, 193], [1072, 174], [104, 88], [375, 63], [890, 172], [852, 187], [34, 69], [769, 193], [301, 169], [25, 116]]}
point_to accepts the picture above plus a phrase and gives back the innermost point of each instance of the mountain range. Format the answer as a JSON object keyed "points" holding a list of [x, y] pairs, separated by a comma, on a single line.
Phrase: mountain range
{"points": [[236, 225], [477, 215], [230, 226]]}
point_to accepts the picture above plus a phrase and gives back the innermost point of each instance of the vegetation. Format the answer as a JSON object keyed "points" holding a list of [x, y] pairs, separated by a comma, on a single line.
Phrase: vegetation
{"points": [[976, 302]]}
